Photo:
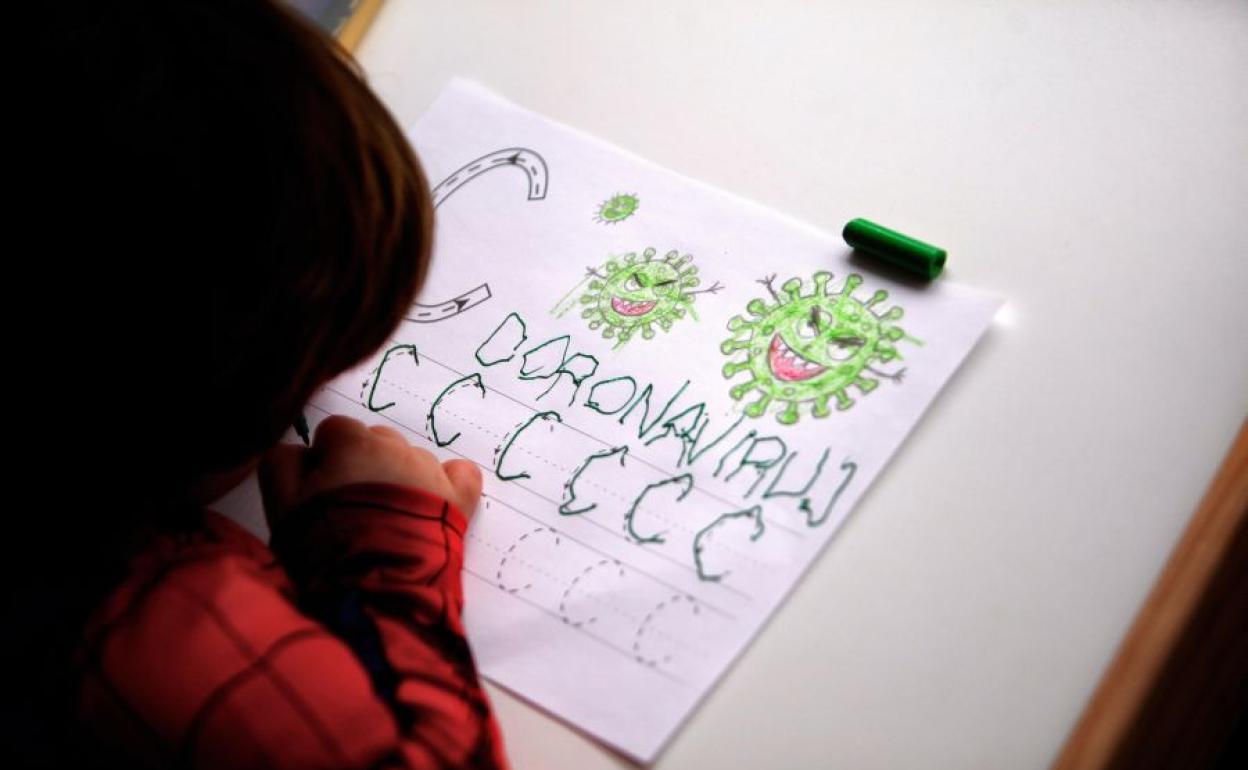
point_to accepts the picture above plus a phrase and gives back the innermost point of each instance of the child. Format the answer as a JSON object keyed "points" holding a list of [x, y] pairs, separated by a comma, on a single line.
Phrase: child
{"points": [[245, 221]]}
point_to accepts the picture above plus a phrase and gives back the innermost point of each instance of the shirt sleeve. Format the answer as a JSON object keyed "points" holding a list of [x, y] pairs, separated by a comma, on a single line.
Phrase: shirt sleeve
{"points": [[210, 655], [380, 566]]}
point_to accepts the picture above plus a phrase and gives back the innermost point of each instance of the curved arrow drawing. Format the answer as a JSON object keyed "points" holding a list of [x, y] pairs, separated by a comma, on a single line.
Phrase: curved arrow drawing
{"points": [[426, 314], [526, 160], [533, 166]]}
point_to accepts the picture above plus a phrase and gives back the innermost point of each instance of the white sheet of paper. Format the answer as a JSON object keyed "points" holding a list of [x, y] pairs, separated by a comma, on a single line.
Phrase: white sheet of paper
{"points": [[641, 519]]}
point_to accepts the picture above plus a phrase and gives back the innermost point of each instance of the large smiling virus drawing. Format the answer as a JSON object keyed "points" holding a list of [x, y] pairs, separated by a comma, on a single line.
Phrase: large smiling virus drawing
{"points": [[633, 294], [811, 348]]}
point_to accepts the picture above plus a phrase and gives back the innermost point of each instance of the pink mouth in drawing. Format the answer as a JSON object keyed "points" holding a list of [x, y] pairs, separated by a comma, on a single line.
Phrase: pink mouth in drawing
{"points": [[788, 365], [625, 307]]}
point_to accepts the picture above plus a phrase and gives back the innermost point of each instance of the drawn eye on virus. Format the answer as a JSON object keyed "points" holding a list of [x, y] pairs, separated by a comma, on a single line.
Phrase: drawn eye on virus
{"points": [[632, 295], [812, 348], [617, 208]]}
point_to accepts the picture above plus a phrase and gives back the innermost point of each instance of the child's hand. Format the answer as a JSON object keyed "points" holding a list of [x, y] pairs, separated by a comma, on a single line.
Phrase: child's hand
{"points": [[346, 451]]}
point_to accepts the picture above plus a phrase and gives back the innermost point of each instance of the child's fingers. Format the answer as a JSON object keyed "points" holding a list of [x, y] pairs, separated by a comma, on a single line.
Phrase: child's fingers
{"points": [[346, 451], [385, 431], [465, 478], [336, 431]]}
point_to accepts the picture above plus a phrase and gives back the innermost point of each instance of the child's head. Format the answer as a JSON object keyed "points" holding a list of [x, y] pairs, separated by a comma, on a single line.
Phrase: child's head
{"points": [[227, 217], [266, 221]]}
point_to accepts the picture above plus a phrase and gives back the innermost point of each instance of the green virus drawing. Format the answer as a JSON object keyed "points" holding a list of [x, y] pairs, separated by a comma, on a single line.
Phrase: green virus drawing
{"points": [[811, 348], [617, 208], [631, 295]]}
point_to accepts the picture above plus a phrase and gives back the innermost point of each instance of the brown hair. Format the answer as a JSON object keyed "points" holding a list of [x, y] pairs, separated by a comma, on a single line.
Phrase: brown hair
{"points": [[283, 222], [340, 235], [233, 217]]}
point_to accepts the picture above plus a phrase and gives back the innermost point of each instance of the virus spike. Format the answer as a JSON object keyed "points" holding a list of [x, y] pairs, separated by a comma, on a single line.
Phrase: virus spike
{"points": [[820, 408], [731, 368], [757, 408], [866, 384], [732, 346], [879, 296], [649, 253], [792, 287], [739, 391], [647, 332], [789, 415], [821, 283], [843, 401], [894, 314], [608, 332], [613, 266], [852, 281], [756, 307], [735, 323], [894, 333]]}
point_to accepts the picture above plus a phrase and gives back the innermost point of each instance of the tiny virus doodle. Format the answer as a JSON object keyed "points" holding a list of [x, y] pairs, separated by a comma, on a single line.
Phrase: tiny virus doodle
{"points": [[811, 348], [632, 295], [617, 208]]}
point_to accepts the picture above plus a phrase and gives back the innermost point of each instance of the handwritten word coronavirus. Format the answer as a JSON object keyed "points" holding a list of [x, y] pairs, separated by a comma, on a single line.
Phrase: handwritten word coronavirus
{"points": [[745, 475]]}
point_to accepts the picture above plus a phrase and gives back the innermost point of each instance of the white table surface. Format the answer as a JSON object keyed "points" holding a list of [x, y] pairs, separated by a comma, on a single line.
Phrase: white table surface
{"points": [[1087, 160]]}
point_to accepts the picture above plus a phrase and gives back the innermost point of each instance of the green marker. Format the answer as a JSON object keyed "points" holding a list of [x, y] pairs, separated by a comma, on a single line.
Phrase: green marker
{"points": [[909, 254]]}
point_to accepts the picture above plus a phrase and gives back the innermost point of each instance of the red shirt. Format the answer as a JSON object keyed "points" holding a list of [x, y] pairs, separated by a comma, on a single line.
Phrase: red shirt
{"points": [[341, 647]]}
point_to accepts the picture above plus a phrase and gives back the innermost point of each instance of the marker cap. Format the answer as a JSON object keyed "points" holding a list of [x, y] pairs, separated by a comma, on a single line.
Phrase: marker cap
{"points": [[909, 254]]}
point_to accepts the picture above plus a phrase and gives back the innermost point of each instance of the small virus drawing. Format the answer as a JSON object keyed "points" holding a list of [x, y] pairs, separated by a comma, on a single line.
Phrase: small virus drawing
{"points": [[811, 348], [633, 294], [617, 208]]}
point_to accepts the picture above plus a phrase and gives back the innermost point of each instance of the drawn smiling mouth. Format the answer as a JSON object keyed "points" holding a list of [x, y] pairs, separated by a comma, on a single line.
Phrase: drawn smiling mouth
{"points": [[626, 307], [789, 365]]}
